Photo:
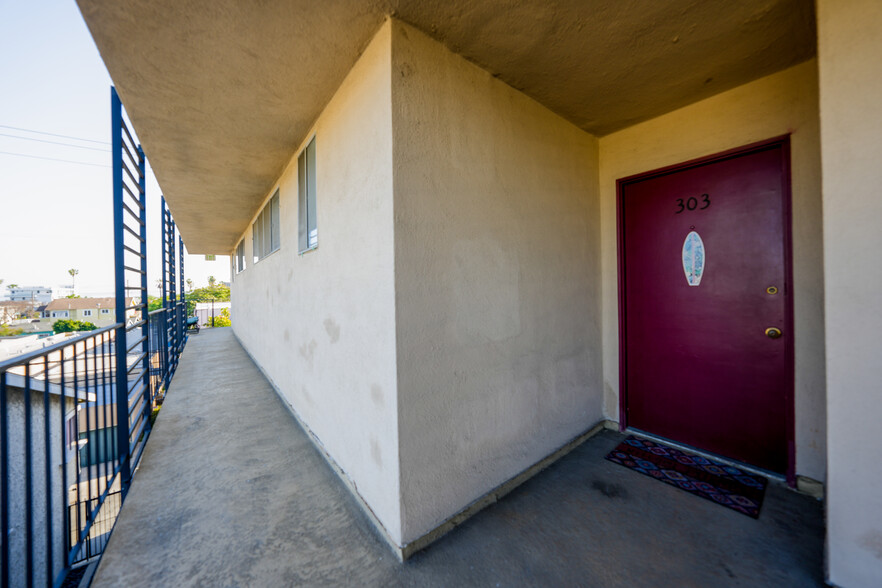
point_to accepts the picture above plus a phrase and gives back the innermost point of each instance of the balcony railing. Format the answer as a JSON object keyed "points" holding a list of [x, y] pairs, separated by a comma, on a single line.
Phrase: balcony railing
{"points": [[75, 416], [62, 451]]}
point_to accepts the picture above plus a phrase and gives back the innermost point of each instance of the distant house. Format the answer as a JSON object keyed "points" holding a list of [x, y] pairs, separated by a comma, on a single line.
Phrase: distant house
{"points": [[64, 291], [98, 311], [12, 310], [33, 294]]}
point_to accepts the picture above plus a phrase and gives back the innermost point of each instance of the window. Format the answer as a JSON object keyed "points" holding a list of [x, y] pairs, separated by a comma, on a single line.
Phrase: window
{"points": [[240, 256], [105, 311], [307, 228], [60, 314], [70, 430], [265, 231], [97, 446], [87, 313]]}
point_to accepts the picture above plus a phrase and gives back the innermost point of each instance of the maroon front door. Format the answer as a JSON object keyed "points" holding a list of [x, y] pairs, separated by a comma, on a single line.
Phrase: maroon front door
{"points": [[706, 303]]}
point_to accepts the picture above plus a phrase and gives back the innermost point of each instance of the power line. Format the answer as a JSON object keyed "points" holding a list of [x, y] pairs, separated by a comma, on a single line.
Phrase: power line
{"points": [[53, 159], [56, 143], [54, 135]]}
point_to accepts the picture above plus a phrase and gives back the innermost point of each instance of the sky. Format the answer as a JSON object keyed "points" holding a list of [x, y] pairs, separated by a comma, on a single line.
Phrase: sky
{"points": [[56, 191]]}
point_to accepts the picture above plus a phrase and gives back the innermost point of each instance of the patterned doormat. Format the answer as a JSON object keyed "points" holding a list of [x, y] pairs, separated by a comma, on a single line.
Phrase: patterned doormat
{"points": [[719, 482]]}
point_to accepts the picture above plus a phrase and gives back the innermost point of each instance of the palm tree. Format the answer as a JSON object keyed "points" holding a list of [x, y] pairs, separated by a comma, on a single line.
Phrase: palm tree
{"points": [[73, 274], [211, 280], [189, 284]]}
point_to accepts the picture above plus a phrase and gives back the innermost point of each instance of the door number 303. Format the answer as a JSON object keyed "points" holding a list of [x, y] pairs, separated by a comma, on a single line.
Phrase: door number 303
{"points": [[692, 203]]}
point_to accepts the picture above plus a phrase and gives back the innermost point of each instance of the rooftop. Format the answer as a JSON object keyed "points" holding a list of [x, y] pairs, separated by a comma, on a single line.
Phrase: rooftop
{"points": [[84, 303], [20, 305]]}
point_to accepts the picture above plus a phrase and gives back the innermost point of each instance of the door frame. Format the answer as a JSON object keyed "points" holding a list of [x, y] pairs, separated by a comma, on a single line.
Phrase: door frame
{"points": [[783, 142]]}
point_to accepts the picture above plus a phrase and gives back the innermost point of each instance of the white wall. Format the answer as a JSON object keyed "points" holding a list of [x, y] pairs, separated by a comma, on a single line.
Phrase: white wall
{"points": [[849, 53], [322, 325], [497, 290], [782, 103]]}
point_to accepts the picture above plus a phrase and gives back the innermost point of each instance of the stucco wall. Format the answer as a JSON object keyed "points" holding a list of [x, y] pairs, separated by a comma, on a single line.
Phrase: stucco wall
{"points": [[497, 290], [849, 49], [322, 325], [16, 476], [785, 102]]}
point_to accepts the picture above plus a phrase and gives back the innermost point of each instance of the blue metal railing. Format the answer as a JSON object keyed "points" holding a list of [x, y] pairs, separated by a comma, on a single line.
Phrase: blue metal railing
{"points": [[75, 416], [130, 249], [173, 286], [69, 388]]}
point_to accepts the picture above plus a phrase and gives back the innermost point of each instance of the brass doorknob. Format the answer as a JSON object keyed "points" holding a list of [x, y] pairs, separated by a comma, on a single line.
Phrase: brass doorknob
{"points": [[773, 333]]}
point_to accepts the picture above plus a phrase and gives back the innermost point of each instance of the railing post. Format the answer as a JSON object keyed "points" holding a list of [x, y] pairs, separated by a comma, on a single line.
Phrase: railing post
{"points": [[164, 250], [4, 481], [163, 213], [172, 299], [182, 317], [121, 380], [47, 472], [165, 357], [145, 327]]}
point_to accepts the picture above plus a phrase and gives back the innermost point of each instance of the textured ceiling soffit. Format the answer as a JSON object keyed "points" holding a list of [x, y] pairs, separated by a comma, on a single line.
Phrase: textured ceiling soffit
{"points": [[603, 65]]}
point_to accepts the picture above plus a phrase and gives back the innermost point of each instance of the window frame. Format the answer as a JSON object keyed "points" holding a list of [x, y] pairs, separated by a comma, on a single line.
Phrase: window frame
{"points": [[71, 437], [239, 257], [307, 195], [262, 240], [87, 312]]}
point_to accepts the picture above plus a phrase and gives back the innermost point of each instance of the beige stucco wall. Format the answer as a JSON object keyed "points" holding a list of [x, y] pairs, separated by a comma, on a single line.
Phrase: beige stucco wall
{"points": [[442, 345], [785, 102], [322, 325], [497, 241], [849, 52]]}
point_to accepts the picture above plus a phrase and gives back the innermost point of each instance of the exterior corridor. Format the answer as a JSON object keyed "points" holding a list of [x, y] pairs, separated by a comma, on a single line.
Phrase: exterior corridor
{"points": [[231, 492]]}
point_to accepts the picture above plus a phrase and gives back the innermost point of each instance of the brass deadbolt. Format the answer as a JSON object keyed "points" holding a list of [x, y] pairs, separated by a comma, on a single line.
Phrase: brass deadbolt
{"points": [[772, 290], [773, 333]]}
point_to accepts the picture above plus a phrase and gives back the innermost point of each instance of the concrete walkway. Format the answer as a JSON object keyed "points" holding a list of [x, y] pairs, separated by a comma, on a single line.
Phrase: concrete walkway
{"points": [[230, 492]]}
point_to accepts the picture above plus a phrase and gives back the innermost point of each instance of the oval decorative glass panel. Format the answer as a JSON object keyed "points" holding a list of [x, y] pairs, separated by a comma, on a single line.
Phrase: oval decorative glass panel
{"points": [[694, 259]]}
